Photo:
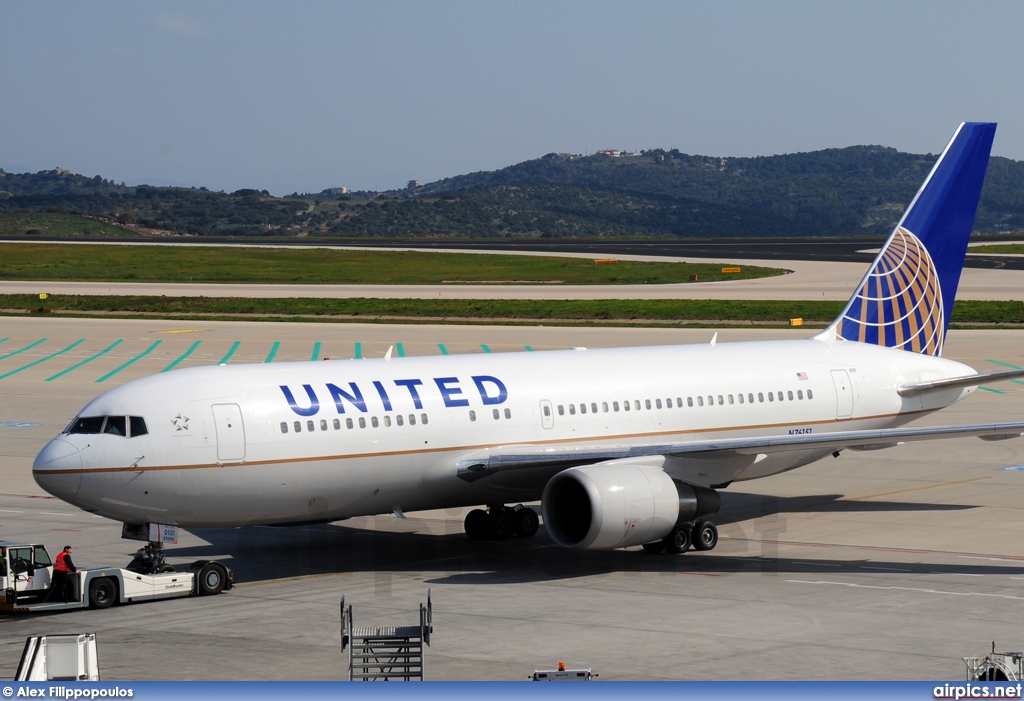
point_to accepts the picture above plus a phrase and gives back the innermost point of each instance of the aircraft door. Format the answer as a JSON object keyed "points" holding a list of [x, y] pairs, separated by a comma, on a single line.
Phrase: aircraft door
{"points": [[227, 418], [844, 394], [547, 414]]}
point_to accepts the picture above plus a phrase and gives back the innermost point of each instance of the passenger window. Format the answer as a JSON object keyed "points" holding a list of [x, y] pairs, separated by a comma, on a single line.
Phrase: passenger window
{"points": [[374, 422], [593, 407], [309, 425], [583, 408], [561, 410], [750, 398], [349, 424], [604, 407], [636, 404], [508, 413], [387, 421], [740, 397], [711, 400], [138, 426], [547, 410], [472, 415], [668, 403], [810, 394], [789, 395], [771, 397], [657, 403], [799, 394], [700, 401], [760, 397], [721, 400], [116, 425], [337, 424], [423, 418], [362, 422], [323, 424], [495, 414], [679, 402], [284, 427], [412, 419], [87, 424], [730, 399], [781, 395], [625, 405], [298, 427], [647, 403], [689, 401], [615, 406], [399, 419], [572, 409]]}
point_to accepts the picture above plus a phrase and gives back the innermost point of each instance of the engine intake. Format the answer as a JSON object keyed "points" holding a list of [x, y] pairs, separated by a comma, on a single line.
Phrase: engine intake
{"points": [[617, 504]]}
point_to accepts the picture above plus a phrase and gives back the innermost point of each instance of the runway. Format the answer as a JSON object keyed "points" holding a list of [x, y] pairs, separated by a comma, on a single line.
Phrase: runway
{"points": [[809, 280], [883, 565]]}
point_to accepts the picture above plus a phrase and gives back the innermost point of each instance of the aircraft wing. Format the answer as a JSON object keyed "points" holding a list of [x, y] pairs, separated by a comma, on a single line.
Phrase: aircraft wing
{"points": [[514, 457]]}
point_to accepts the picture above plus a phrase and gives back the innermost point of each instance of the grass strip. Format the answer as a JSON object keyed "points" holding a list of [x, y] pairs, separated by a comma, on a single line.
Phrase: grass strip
{"points": [[238, 264], [483, 311]]}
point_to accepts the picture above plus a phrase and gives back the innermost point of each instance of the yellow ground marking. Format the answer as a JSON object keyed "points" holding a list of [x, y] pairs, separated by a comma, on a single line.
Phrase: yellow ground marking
{"points": [[915, 489]]}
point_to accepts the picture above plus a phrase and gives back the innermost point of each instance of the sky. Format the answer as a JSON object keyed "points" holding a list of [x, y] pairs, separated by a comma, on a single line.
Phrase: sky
{"points": [[302, 96]]}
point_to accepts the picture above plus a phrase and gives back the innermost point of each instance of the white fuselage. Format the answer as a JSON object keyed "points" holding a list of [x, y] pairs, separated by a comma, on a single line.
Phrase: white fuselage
{"points": [[321, 441]]}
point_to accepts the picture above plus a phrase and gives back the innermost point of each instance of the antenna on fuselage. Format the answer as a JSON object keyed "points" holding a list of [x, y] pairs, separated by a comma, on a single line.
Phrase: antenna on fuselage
{"points": [[387, 356], [713, 339]]}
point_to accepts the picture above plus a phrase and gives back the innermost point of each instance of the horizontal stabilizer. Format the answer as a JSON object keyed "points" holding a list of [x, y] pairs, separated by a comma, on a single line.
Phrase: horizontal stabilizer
{"points": [[959, 382]]}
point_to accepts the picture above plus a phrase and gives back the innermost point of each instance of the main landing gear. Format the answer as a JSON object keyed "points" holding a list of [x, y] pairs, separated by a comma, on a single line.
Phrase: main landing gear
{"points": [[702, 535], [500, 521]]}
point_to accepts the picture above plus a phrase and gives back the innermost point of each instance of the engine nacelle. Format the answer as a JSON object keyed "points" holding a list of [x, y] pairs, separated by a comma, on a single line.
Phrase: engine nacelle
{"points": [[617, 504]]}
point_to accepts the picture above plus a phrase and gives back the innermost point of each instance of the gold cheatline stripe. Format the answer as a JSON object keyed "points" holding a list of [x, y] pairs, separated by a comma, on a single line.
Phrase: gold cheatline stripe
{"points": [[915, 489], [446, 449]]}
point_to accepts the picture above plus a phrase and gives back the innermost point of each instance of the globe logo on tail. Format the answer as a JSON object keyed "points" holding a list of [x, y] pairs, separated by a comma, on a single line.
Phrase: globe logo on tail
{"points": [[899, 304]]}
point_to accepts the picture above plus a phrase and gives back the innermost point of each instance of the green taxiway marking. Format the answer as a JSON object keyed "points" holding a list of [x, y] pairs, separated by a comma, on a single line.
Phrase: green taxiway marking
{"points": [[359, 350], [42, 360], [529, 348], [486, 348], [1006, 365], [103, 352], [273, 352], [316, 351], [989, 389], [182, 357], [140, 356], [22, 350], [444, 351], [401, 350], [231, 352]]}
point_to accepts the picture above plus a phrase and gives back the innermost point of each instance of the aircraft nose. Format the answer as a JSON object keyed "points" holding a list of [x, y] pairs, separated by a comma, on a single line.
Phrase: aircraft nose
{"points": [[58, 469]]}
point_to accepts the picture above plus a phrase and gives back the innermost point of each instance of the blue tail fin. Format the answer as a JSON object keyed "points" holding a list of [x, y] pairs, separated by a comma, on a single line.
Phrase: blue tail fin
{"points": [[906, 298]]}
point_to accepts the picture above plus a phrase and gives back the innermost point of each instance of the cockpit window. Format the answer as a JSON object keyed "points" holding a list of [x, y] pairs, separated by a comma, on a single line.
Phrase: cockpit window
{"points": [[138, 426], [87, 424], [117, 425]]}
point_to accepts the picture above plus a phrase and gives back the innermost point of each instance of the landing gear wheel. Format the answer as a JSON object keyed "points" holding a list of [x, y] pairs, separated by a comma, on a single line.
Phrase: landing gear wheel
{"points": [[500, 524], [476, 524], [655, 547], [677, 541], [525, 521], [705, 536], [102, 593], [212, 579]]}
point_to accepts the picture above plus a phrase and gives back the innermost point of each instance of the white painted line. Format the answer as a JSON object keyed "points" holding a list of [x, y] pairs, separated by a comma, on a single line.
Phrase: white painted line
{"points": [[994, 559], [886, 569], [8, 511], [958, 574], [50, 513], [911, 589]]}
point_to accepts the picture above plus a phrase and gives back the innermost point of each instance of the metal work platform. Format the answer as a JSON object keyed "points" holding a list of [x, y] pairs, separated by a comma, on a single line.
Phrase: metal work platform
{"points": [[386, 653]]}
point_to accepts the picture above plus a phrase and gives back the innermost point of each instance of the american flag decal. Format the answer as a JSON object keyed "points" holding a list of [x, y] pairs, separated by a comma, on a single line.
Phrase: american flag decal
{"points": [[801, 376]]}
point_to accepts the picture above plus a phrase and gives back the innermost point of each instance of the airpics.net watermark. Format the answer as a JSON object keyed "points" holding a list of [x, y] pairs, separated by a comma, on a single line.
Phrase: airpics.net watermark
{"points": [[978, 691]]}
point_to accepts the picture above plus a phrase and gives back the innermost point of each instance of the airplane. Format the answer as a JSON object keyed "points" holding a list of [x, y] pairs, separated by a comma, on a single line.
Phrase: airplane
{"points": [[623, 446]]}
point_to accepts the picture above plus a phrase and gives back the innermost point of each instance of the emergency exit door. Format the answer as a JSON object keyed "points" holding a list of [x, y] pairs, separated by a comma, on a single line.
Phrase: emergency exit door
{"points": [[227, 418]]}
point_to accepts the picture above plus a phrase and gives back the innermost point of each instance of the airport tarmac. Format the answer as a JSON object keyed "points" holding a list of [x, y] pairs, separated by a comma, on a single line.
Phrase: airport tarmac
{"points": [[881, 565]]}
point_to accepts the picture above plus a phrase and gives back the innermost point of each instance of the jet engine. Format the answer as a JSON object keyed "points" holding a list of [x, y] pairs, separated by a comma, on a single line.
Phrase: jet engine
{"points": [[617, 504]]}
